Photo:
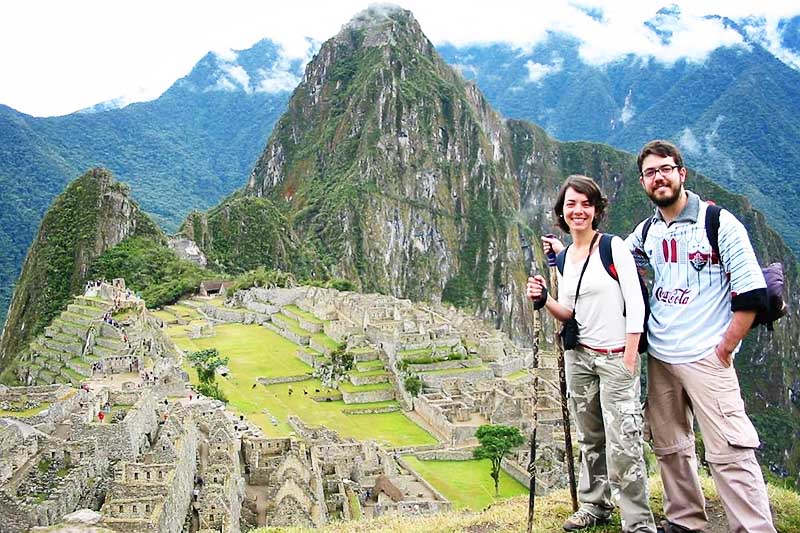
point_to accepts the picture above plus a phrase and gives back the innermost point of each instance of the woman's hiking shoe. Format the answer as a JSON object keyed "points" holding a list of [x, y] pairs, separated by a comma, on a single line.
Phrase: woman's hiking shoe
{"points": [[583, 519]]}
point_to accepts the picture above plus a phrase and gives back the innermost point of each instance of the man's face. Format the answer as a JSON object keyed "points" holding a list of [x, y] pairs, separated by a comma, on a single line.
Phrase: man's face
{"points": [[662, 179]]}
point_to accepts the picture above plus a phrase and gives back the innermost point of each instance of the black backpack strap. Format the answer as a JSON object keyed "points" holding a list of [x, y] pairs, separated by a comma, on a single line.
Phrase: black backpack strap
{"points": [[646, 230], [712, 227], [606, 255], [560, 258]]}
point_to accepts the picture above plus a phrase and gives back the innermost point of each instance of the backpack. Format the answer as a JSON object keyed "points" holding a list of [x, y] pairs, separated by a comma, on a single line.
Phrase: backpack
{"points": [[773, 274], [607, 258]]}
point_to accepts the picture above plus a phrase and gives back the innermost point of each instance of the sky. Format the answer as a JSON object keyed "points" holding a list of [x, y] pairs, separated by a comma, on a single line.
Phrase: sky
{"points": [[57, 56]]}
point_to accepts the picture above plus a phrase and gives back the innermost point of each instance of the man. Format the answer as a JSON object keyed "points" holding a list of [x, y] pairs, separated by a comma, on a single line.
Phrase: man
{"points": [[702, 305]]}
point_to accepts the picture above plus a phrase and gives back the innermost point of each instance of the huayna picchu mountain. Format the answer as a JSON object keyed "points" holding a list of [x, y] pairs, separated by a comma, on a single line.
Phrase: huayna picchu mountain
{"points": [[93, 230], [396, 173], [389, 169]]}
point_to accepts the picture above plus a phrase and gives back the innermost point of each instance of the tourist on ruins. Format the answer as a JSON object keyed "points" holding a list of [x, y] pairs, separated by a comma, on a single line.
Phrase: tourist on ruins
{"points": [[705, 299], [602, 360]]}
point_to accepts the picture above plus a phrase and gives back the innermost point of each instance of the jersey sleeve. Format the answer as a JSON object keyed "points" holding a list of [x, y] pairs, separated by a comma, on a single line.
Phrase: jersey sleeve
{"points": [[629, 285], [748, 288]]}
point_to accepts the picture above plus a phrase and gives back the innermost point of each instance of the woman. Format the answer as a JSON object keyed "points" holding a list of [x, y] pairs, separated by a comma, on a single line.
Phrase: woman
{"points": [[603, 369]]}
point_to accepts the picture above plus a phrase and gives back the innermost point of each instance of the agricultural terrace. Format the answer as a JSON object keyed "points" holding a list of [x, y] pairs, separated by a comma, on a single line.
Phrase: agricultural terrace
{"points": [[255, 351], [467, 484]]}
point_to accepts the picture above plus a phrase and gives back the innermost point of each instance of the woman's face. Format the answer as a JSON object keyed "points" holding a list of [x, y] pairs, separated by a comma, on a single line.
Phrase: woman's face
{"points": [[578, 212]]}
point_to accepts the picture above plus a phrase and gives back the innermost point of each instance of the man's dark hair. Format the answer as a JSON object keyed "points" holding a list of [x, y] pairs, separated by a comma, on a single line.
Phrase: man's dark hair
{"points": [[583, 185], [661, 149]]}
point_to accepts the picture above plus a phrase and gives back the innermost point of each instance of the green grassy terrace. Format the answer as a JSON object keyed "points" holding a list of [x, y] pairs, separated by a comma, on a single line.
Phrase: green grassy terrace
{"points": [[255, 351], [27, 412], [303, 314], [466, 483]]}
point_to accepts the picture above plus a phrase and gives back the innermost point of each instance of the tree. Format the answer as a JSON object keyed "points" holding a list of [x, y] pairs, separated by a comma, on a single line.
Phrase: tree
{"points": [[495, 442], [206, 362], [413, 385], [336, 368]]}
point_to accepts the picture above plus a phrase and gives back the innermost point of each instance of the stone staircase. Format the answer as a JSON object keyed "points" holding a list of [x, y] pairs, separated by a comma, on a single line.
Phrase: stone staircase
{"points": [[56, 356]]}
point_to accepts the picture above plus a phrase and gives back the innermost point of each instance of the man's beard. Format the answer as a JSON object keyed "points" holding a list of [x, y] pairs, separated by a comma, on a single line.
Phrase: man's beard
{"points": [[666, 201]]}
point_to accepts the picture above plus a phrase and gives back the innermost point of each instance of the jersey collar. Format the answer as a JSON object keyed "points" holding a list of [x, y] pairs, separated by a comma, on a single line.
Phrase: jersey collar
{"points": [[690, 211]]}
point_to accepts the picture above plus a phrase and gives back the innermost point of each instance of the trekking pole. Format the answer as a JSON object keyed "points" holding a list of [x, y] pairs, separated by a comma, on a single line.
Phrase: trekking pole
{"points": [[537, 328], [562, 379]]}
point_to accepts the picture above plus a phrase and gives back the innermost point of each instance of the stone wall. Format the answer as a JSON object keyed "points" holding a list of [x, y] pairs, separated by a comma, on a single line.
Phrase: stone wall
{"points": [[125, 439], [435, 380], [454, 435], [231, 315], [446, 365], [283, 379], [368, 396], [286, 334], [339, 330], [445, 455], [507, 366], [358, 380]]}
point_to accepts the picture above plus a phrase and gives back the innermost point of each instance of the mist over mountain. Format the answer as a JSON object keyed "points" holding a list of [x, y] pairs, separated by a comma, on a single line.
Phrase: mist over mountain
{"points": [[733, 114]]}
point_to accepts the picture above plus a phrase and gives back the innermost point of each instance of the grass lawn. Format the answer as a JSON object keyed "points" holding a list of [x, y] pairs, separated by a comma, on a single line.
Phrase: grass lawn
{"points": [[256, 351], [369, 365], [394, 429], [518, 374], [467, 484], [27, 412], [253, 351], [324, 340]]}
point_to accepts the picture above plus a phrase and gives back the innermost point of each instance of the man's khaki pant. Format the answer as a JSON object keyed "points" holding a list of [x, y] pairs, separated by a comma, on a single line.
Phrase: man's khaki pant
{"points": [[604, 399], [709, 391]]}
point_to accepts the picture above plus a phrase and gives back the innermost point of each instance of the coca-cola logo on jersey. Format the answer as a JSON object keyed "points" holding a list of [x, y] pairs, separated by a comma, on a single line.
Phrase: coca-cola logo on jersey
{"points": [[675, 296]]}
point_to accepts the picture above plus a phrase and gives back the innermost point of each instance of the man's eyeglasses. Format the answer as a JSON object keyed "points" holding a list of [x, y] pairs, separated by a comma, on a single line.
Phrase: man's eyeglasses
{"points": [[664, 170]]}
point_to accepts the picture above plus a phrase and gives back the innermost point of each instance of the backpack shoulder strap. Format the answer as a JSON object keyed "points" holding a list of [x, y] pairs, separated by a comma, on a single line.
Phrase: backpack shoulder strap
{"points": [[560, 258], [606, 255], [646, 229], [712, 226]]}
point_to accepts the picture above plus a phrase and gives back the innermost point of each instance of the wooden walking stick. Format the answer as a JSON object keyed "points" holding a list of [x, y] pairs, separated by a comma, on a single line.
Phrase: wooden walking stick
{"points": [[537, 328], [562, 379]]}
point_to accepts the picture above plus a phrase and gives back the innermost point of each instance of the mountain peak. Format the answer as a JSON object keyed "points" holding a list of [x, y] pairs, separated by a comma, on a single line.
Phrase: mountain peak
{"points": [[380, 24]]}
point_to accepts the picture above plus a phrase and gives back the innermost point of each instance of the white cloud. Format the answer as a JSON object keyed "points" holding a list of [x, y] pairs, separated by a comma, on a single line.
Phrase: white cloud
{"points": [[766, 32], [465, 69], [628, 110], [226, 55], [537, 71], [274, 81], [689, 142], [76, 41], [224, 84]]}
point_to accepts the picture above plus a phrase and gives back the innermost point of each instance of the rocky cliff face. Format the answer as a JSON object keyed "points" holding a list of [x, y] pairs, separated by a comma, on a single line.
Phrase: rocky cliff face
{"points": [[394, 172], [93, 214]]}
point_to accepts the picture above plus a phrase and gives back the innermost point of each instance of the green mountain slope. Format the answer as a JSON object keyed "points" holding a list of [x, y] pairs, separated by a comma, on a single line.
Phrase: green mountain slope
{"points": [[183, 151], [93, 214]]}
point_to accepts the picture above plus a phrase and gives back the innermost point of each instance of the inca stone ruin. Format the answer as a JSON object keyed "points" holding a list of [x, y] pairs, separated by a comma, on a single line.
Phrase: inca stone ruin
{"points": [[109, 431]]}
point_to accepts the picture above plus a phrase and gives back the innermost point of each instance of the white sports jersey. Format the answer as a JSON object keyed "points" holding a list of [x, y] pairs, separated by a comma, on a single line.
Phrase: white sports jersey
{"points": [[690, 300]]}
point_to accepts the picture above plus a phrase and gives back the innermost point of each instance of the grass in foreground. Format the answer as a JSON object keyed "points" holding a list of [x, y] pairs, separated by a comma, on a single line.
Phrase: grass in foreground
{"points": [[466, 483], [510, 516]]}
